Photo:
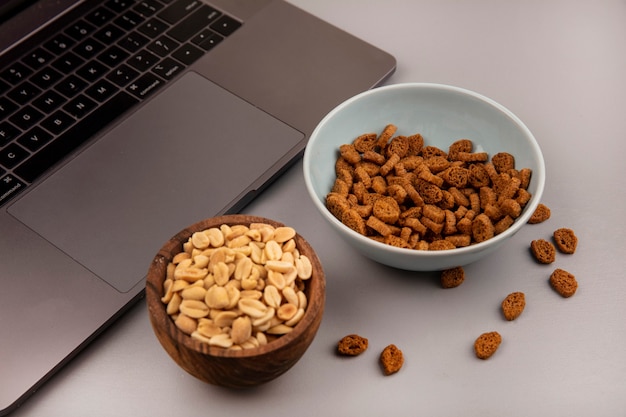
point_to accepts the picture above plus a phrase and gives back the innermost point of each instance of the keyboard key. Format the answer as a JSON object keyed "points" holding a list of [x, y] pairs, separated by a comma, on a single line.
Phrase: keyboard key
{"points": [[6, 107], [119, 6], [143, 61], [153, 28], [108, 34], [48, 156], [79, 30], [71, 86], [101, 90], [34, 139], [38, 58], [59, 44], [148, 7], [122, 75], [92, 70], [8, 132], [163, 46], [113, 56], [100, 16], [26, 117], [12, 155], [80, 106], [49, 101], [207, 39], [9, 187], [225, 25], [89, 48], [46, 78], [68, 62], [16, 73], [129, 20], [24, 93], [199, 20], [58, 122], [168, 68], [145, 85], [133, 42], [187, 54], [178, 10]]}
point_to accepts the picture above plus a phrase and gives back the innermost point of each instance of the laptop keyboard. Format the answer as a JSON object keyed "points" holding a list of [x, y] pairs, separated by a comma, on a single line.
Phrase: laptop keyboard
{"points": [[85, 74]]}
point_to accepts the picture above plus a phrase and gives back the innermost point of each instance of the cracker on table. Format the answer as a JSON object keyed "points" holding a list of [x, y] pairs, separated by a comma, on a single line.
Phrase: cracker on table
{"points": [[565, 240], [352, 345], [563, 282], [543, 251], [452, 277], [486, 344], [391, 359], [541, 214], [513, 305]]}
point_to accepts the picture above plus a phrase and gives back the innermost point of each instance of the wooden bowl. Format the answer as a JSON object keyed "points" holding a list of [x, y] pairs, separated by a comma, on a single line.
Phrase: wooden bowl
{"points": [[224, 367]]}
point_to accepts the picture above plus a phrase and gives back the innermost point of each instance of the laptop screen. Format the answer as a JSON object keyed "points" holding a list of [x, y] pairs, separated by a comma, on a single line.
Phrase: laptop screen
{"points": [[10, 7]]}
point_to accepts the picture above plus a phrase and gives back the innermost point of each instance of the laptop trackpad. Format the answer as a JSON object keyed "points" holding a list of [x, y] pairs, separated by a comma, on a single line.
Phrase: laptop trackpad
{"points": [[183, 157]]}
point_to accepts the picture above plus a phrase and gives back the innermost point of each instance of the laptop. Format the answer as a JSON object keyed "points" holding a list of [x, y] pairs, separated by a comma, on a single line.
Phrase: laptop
{"points": [[122, 122]]}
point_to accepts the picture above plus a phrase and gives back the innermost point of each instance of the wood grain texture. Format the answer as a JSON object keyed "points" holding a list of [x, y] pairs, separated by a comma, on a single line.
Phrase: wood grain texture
{"points": [[233, 368]]}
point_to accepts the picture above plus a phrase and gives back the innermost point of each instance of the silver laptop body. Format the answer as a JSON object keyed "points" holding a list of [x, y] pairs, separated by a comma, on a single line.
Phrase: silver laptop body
{"points": [[76, 240]]}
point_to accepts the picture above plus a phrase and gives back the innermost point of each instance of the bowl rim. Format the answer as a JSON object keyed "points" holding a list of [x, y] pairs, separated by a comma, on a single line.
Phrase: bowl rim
{"points": [[156, 276], [538, 176]]}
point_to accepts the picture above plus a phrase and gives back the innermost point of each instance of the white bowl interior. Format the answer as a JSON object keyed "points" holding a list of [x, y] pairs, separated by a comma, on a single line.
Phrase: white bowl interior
{"points": [[442, 114]]}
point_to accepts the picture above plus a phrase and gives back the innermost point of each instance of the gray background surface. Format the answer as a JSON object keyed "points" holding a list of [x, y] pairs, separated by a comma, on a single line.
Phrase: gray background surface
{"points": [[560, 66]]}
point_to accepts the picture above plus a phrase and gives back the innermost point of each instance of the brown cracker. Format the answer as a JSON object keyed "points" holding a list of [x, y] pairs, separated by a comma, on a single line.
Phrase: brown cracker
{"points": [[503, 224], [456, 176], [482, 228], [365, 142], [416, 143], [503, 161], [351, 155], [431, 151], [337, 204], [543, 251], [563, 282], [565, 240], [541, 214], [437, 163], [398, 145], [478, 176], [459, 240], [391, 359], [461, 145], [385, 136], [441, 244], [387, 209], [473, 156], [513, 305], [453, 277], [511, 208], [354, 221], [352, 345], [486, 344]]}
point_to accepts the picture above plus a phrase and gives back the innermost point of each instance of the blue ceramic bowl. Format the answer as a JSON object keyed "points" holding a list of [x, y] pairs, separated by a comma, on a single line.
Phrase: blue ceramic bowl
{"points": [[442, 114]]}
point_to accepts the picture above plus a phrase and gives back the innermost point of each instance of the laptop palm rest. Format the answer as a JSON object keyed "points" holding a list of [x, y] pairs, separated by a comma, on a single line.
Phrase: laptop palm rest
{"points": [[188, 154]]}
